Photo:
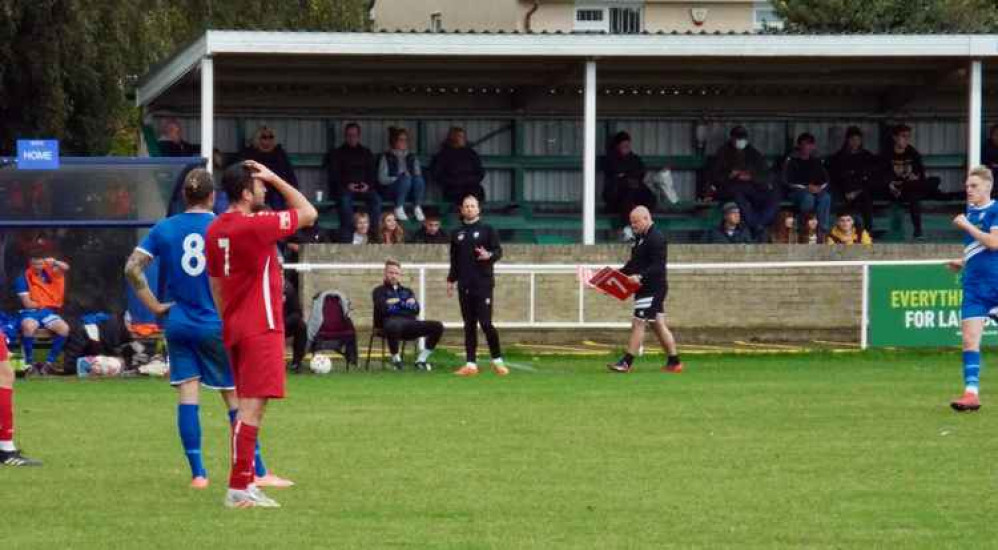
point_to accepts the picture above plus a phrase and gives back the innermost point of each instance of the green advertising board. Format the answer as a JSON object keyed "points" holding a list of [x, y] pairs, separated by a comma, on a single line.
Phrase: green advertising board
{"points": [[916, 306]]}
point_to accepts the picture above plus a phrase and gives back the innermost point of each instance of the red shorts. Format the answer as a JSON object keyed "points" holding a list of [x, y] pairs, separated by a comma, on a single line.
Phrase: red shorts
{"points": [[258, 365], [3, 348]]}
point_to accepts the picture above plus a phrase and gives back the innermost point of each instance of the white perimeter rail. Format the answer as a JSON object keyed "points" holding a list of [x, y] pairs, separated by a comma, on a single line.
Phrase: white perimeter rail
{"points": [[533, 270]]}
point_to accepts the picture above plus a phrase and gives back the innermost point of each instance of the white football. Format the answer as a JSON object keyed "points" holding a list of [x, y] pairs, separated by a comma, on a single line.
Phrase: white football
{"points": [[320, 364], [106, 366]]}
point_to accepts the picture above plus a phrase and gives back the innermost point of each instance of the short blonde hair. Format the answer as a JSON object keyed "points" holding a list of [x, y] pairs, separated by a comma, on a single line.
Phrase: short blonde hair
{"points": [[982, 172]]}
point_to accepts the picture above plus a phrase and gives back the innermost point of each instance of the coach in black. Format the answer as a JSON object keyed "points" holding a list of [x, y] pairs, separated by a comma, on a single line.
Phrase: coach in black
{"points": [[395, 313], [474, 249], [647, 267]]}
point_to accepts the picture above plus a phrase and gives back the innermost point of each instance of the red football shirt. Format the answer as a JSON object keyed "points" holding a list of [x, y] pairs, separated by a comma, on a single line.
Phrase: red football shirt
{"points": [[242, 252]]}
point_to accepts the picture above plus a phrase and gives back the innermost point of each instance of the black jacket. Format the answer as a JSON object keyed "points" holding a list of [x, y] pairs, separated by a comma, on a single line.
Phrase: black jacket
{"points": [[169, 148], [905, 166], [279, 163], [621, 173], [421, 237], [741, 235], [466, 269], [798, 172], [391, 301], [457, 168], [346, 165], [729, 159], [648, 257], [853, 171]]}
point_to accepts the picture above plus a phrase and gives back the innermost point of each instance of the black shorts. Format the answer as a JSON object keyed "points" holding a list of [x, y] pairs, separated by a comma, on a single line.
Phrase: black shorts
{"points": [[648, 306]]}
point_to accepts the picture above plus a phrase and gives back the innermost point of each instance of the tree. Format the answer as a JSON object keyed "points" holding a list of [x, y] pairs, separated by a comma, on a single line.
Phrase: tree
{"points": [[68, 67], [889, 16]]}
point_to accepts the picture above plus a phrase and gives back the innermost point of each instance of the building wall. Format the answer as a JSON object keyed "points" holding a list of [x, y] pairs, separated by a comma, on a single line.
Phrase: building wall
{"points": [[456, 15]]}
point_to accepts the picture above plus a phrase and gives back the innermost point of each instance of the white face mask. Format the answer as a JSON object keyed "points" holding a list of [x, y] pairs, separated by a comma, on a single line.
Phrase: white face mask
{"points": [[741, 144]]}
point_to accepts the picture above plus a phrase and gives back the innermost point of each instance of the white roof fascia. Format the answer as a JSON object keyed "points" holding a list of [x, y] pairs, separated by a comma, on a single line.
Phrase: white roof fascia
{"points": [[175, 69]]}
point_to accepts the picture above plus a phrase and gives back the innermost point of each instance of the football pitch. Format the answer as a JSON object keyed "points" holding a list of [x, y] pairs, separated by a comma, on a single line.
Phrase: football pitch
{"points": [[846, 450]]}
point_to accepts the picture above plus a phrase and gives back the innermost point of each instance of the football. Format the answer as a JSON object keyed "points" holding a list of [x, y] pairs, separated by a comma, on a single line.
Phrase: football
{"points": [[320, 364]]}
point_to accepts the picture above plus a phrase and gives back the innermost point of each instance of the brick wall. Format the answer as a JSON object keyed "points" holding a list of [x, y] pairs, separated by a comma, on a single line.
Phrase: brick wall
{"points": [[784, 304]]}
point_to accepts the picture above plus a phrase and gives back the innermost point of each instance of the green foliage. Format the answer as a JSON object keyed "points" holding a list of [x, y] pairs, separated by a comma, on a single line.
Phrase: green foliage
{"points": [[889, 16], [68, 67]]}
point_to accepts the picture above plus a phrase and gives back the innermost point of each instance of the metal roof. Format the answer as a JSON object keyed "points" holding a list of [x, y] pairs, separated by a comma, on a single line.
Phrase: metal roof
{"points": [[562, 46]]}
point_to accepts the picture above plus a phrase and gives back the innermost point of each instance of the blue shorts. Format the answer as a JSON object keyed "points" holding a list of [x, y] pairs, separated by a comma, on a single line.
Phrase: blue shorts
{"points": [[979, 301], [44, 317], [200, 356]]}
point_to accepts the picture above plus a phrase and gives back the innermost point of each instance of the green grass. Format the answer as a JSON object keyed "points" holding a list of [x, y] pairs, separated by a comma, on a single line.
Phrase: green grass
{"points": [[779, 451]]}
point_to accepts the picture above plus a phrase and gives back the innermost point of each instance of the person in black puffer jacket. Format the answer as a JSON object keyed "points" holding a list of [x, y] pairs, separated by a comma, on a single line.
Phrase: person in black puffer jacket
{"points": [[457, 168], [265, 150]]}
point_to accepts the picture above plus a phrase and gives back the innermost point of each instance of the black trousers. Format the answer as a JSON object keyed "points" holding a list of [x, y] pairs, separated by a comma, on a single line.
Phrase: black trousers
{"points": [[476, 309], [912, 194], [294, 326], [397, 329]]}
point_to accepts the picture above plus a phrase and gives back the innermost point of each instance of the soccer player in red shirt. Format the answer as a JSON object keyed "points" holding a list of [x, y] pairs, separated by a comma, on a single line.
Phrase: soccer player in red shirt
{"points": [[9, 455], [247, 286]]}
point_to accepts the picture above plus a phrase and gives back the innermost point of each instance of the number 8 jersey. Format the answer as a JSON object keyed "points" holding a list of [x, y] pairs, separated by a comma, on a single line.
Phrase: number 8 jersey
{"points": [[179, 243], [242, 253]]}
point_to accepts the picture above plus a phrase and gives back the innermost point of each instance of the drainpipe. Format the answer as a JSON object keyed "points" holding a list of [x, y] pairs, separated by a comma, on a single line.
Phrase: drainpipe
{"points": [[530, 14]]}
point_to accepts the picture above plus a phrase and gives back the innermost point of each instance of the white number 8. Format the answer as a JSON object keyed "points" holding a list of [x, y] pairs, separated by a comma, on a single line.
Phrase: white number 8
{"points": [[193, 261]]}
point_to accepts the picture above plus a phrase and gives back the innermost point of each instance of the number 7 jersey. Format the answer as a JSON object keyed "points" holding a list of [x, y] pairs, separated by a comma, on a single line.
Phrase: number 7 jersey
{"points": [[242, 254]]}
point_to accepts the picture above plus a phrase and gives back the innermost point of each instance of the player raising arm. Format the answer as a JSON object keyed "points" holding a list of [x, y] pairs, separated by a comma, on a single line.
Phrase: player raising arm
{"points": [[247, 286], [980, 278]]}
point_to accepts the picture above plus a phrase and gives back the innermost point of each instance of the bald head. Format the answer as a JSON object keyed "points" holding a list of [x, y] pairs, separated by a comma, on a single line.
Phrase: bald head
{"points": [[640, 219]]}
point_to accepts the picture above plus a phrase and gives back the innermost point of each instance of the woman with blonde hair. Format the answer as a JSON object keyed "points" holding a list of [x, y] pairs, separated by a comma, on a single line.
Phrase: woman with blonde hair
{"points": [[390, 230]]}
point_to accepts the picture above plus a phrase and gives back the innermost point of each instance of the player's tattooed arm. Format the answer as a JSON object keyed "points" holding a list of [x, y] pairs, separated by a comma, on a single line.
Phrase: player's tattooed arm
{"points": [[135, 269]]}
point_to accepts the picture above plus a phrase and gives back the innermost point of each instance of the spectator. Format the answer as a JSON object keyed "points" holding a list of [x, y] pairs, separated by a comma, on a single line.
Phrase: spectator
{"points": [[731, 230], [807, 181], [431, 232], [990, 156], [810, 231], [846, 232], [171, 142], [294, 324], [265, 150], [352, 176], [361, 233], [906, 176], [390, 230], [853, 171], [401, 176], [739, 175], [784, 230], [623, 181], [42, 290], [396, 311], [457, 169]]}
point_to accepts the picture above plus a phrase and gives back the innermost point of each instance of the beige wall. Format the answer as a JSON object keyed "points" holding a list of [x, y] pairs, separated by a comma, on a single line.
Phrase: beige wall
{"points": [[552, 16]]}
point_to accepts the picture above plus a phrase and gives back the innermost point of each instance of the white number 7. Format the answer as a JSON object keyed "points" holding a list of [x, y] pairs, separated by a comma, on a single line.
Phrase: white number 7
{"points": [[224, 245]]}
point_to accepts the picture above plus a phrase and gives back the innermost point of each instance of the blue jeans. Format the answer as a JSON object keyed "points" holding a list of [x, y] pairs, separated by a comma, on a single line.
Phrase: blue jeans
{"points": [[405, 188], [373, 200], [820, 203]]}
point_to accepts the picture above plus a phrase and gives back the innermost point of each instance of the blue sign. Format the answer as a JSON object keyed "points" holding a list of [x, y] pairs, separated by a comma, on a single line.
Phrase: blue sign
{"points": [[37, 154]]}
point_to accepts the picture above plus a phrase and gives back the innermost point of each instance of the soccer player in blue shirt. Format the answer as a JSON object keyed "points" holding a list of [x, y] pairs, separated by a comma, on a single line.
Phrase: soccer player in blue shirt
{"points": [[980, 278], [193, 327]]}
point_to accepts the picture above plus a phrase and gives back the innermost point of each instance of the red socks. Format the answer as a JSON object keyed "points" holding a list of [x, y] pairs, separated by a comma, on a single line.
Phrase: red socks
{"points": [[243, 447], [6, 414]]}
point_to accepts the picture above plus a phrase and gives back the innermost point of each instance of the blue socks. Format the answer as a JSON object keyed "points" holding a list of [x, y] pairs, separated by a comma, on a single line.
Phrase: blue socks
{"points": [[189, 424], [260, 469], [28, 342], [57, 344], [972, 370]]}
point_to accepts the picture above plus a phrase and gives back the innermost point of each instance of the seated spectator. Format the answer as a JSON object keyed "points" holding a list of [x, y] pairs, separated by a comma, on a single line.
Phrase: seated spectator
{"points": [[784, 230], [401, 176], [623, 181], [352, 177], [294, 324], [853, 171], [731, 229], [431, 232], [264, 149], [989, 156], [390, 230], [42, 290], [906, 176], [171, 142], [846, 232], [361, 229], [810, 231], [395, 313], [807, 181], [739, 175], [457, 169]]}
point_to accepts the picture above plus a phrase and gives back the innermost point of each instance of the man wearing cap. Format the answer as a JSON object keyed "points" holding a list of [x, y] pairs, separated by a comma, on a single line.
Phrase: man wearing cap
{"points": [[739, 174], [731, 230]]}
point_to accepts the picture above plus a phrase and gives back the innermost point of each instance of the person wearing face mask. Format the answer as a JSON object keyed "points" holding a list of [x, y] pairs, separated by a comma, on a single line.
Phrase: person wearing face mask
{"points": [[852, 170], [739, 174], [806, 181], [265, 150]]}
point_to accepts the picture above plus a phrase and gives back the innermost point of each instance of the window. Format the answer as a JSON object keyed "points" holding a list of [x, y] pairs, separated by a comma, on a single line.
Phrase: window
{"points": [[436, 22], [625, 20], [590, 19], [764, 17], [589, 15], [614, 20]]}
